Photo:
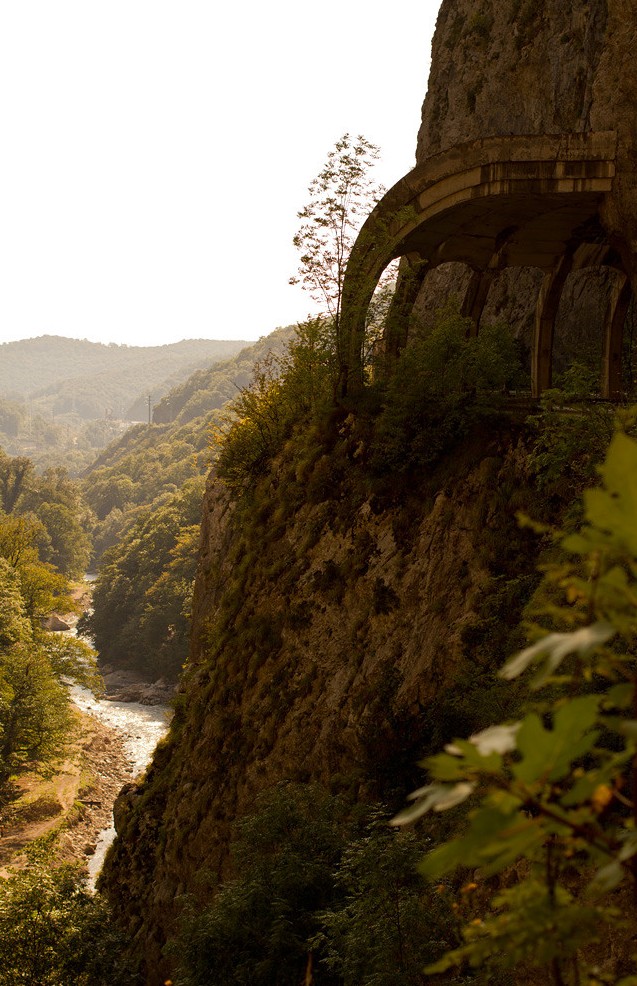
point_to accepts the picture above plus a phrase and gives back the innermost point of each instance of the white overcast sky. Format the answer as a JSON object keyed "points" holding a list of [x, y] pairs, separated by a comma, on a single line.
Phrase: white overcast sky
{"points": [[155, 154]]}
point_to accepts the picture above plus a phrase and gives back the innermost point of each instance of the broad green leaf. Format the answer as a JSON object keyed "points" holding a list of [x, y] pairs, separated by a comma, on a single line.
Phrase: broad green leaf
{"points": [[566, 754], [581, 792], [576, 716], [548, 754], [445, 859], [619, 696], [578, 544], [585, 787], [613, 509], [513, 844], [505, 802], [494, 840], [530, 926], [445, 767], [571, 739], [535, 747]]}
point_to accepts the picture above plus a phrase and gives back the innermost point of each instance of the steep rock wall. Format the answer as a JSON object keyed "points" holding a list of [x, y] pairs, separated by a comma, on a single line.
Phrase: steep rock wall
{"points": [[518, 67], [328, 626]]}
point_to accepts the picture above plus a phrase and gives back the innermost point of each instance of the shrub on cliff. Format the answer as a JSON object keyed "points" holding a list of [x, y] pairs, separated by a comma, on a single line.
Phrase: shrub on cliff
{"points": [[259, 927], [286, 392], [437, 389], [384, 924], [291, 388], [324, 892]]}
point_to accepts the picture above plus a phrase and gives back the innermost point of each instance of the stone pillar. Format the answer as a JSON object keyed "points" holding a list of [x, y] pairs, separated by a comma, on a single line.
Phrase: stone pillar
{"points": [[618, 303], [476, 297], [411, 276], [545, 314]]}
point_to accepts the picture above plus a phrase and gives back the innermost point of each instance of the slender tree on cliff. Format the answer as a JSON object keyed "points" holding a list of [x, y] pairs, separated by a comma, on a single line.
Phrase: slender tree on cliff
{"points": [[342, 195]]}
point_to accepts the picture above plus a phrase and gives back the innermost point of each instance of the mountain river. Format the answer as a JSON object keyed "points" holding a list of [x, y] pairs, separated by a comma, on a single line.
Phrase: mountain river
{"points": [[141, 728]]}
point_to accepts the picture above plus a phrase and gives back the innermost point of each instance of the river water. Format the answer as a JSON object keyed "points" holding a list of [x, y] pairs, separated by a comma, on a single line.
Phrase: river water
{"points": [[141, 727]]}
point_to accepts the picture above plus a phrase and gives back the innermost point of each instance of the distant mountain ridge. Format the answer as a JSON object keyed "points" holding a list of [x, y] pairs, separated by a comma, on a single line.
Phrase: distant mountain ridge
{"points": [[182, 419], [95, 380]]}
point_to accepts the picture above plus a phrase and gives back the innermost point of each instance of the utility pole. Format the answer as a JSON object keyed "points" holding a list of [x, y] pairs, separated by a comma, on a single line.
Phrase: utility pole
{"points": [[149, 409]]}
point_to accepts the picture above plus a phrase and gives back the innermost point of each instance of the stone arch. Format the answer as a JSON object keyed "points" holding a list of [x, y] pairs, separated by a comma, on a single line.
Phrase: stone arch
{"points": [[493, 203]]}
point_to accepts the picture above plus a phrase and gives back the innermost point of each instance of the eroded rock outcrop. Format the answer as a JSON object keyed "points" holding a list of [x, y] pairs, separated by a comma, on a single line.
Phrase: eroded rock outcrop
{"points": [[520, 67]]}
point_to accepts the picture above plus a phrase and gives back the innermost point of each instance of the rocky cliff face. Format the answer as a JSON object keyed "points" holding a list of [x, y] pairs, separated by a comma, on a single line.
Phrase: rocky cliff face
{"points": [[328, 627], [519, 67]]}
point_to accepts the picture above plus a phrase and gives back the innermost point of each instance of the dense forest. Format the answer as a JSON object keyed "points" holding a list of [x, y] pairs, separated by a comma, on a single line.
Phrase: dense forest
{"points": [[141, 499], [145, 491]]}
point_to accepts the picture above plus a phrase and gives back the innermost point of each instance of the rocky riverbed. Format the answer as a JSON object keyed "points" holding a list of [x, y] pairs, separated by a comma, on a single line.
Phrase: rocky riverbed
{"points": [[138, 727], [127, 686]]}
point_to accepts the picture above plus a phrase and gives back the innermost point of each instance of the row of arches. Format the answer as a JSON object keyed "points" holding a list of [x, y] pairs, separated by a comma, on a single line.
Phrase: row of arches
{"points": [[610, 290], [527, 202]]}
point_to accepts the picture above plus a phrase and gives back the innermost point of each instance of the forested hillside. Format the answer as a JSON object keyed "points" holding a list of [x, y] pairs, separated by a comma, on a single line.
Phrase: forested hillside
{"points": [[210, 388], [68, 398], [146, 490], [68, 368]]}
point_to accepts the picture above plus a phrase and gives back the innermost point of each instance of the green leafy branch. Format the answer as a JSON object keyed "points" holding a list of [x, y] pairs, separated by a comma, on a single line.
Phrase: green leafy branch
{"points": [[552, 793]]}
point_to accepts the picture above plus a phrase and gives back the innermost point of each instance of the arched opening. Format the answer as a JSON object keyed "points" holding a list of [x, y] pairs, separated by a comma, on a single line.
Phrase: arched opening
{"points": [[581, 347]]}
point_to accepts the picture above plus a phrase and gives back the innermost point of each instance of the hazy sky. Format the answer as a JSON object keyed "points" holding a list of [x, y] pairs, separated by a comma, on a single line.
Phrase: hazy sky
{"points": [[155, 154]]}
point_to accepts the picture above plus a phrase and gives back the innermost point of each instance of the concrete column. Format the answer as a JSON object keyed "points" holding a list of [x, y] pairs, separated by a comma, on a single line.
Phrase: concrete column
{"points": [[476, 297], [545, 314], [411, 277], [618, 303]]}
